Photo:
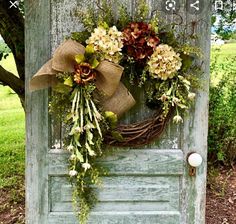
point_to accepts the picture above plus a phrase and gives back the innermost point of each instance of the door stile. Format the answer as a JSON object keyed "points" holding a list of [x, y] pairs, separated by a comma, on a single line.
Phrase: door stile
{"points": [[38, 50]]}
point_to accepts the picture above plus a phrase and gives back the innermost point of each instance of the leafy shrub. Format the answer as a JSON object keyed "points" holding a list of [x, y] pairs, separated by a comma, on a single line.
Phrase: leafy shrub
{"points": [[4, 50], [222, 113]]}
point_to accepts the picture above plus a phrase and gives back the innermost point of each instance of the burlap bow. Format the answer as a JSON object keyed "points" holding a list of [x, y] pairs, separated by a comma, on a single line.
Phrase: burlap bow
{"points": [[116, 97]]}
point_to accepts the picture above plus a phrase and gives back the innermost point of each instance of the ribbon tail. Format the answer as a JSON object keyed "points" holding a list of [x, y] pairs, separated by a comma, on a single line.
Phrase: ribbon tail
{"points": [[44, 78], [120, 102]]}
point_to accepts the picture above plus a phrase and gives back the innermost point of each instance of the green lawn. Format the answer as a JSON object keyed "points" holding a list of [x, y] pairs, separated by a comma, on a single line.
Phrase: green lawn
{"points": [[12, 134], [9, 64], [227, 50], [222, 59]]}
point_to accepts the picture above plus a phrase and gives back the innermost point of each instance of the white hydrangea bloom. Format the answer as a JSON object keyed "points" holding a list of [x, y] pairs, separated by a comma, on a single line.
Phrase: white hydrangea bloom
{"points": [[164, 62], [107, 42]]}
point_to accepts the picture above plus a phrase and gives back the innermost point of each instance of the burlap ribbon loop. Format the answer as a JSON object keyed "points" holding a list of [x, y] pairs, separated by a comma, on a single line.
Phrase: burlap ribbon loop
{"points": [[116, 97]]}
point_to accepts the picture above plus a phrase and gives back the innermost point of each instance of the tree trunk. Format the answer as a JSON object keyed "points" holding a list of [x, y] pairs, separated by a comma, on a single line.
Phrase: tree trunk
{"points": [[15, 83]]}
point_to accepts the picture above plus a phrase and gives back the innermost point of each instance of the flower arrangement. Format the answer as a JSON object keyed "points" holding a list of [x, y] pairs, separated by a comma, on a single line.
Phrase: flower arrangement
{"points": [[85, 73]]}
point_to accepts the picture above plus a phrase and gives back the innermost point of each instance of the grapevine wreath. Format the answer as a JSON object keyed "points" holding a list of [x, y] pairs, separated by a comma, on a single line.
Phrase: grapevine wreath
{"points": [[87, 74]]}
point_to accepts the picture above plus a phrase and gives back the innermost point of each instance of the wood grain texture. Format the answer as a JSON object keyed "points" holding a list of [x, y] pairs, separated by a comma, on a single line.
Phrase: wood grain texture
{"points": [[152, 186], [129, 217], [128, 162], [37, 43], [195, 130], [63, 20], [119, 193]]}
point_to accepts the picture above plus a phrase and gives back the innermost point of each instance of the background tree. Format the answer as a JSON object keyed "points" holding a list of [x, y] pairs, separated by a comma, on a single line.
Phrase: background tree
{"points": [[224, 18], [12, 31]]}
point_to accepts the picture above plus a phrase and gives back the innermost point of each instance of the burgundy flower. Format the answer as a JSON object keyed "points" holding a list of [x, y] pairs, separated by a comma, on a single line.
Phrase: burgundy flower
{"points": [[84, 73], [139, 40]]}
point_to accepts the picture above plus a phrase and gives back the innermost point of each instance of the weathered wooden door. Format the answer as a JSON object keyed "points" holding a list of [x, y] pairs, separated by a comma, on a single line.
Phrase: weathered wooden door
{"points": [[148, 185]]}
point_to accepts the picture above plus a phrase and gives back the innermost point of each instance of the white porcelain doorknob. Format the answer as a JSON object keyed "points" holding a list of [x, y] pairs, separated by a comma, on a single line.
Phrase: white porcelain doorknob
{"points": [[195, 160]]}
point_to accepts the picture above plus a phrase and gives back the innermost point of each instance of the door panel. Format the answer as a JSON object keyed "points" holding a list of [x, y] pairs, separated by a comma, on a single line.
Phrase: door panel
{"points": [[142, 186], [120, 218], [127, 162]]}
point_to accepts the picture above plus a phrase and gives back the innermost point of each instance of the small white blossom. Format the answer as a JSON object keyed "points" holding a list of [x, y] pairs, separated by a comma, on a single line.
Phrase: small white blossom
{"points": [[178, 119], [70, 148], [98, 116], [86, 166], [164, 97], [92, 153], [73, 173], [89, 126], [191, 96], [73, 157], [78, 129], [176, 100], [99, 32]]}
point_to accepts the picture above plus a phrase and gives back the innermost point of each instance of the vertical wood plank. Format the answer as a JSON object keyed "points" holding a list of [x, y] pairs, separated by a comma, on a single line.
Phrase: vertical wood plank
{"points": [[195, 129], [37, 43], [63, 20]]}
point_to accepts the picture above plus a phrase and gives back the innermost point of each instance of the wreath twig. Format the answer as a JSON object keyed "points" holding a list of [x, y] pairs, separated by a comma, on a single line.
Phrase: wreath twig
{"points": [[140, 133]]}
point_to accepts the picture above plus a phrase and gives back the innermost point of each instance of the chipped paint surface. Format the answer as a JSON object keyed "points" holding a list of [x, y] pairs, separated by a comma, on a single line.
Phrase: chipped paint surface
{"points": [[159, 169], [63, 20]]}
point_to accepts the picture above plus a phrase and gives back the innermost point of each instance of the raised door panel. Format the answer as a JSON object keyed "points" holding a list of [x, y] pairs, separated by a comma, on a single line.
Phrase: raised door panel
{"points": [[143, 186], [120, 218]]}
